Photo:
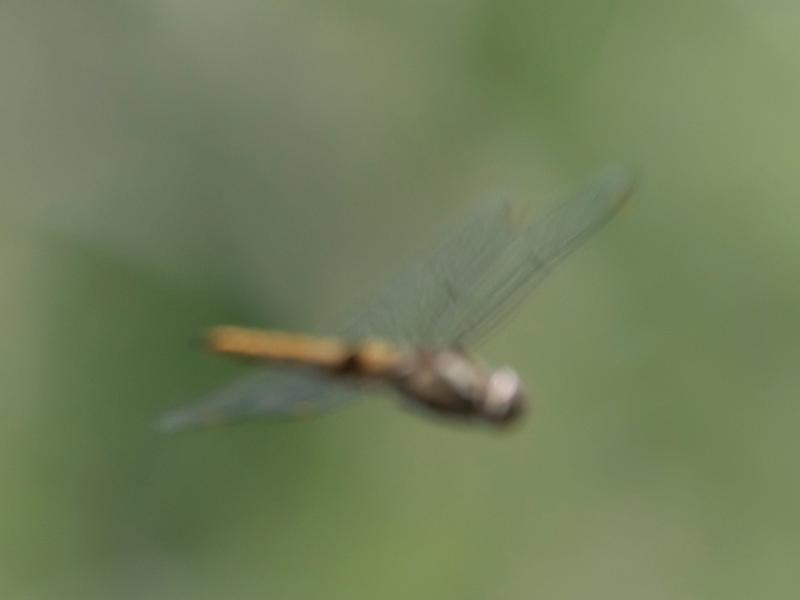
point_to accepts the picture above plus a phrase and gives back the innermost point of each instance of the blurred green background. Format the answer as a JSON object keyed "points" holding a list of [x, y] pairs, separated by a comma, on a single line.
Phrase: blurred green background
{"points": [[168, 165]]}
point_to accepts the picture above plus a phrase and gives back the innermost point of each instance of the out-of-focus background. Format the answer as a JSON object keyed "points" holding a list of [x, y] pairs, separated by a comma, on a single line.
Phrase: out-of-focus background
{"points": [[169, 165]]}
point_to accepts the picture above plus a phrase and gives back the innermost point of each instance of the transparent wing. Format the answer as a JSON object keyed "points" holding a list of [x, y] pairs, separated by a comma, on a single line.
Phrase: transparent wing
{"points": [[261, 393], [461, 292]]}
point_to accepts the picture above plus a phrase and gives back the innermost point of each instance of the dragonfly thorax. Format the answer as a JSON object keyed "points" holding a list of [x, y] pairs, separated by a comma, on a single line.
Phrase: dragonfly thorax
{"points": [[452, 383]]}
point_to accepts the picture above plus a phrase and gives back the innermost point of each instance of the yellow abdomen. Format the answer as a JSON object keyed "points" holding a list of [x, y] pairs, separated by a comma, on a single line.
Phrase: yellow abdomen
{"points": [[368, 358]]}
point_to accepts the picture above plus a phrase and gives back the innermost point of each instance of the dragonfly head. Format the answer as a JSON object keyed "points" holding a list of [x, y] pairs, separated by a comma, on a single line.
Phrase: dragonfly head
{"points": [[505, 398]]}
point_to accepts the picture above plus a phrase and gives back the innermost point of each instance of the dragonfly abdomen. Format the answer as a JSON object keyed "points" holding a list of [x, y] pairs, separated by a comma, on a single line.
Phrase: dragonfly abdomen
{"points": [[369, 358]]}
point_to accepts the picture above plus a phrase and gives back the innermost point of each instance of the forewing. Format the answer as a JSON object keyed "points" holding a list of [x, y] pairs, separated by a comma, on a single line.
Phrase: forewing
{"points": [[532, 255], [458, 293]]}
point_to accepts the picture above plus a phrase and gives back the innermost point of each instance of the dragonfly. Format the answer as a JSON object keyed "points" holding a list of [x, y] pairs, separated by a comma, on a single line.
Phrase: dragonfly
{"points": [[414, 337]]}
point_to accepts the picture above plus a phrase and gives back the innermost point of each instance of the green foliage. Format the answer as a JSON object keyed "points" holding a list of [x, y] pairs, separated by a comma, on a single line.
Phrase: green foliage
{"points": [[172, 165]]}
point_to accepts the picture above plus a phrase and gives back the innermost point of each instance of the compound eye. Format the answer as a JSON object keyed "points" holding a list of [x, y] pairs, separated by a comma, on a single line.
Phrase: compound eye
{"points": [[503, 394]]}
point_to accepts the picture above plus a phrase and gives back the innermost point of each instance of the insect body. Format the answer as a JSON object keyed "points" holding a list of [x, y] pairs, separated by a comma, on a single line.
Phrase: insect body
{"points": [[448, 382], [412, 337]]}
